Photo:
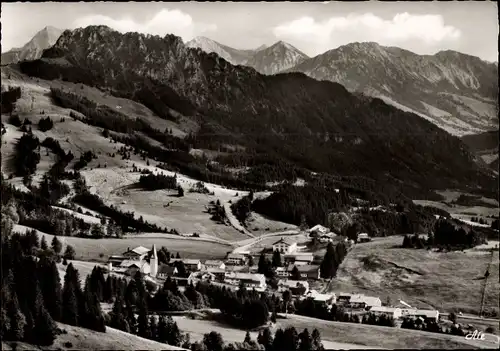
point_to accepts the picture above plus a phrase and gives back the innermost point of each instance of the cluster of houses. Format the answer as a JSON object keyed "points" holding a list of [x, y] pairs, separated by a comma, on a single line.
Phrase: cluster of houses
{"points": [[236, 271]]}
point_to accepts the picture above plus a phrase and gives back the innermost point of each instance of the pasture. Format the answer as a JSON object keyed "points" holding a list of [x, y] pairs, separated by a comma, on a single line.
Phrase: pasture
{"points": [[447, 281]]}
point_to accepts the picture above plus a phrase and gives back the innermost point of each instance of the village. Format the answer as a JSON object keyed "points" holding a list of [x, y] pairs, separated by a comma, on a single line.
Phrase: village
{"points": [[298, 274]]}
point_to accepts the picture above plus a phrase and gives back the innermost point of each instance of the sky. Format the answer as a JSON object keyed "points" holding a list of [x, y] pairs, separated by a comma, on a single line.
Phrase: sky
{"points": [[312, 27]]}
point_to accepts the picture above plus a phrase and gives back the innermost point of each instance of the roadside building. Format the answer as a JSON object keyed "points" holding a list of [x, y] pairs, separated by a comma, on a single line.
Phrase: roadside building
{"points": [[285, 245], [317, 230], [429, 315], [393, 312]]}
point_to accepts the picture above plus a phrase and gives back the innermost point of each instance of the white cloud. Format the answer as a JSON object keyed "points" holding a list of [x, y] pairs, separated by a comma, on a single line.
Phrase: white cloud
{"points": [[420, 30], [164, 22]]}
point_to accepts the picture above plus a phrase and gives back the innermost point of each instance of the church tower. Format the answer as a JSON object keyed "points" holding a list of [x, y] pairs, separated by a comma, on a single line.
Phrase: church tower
{"points": [[153, 263]]}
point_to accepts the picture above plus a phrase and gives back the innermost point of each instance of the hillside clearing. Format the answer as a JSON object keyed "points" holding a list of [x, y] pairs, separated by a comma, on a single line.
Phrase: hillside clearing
{"points": [[447, 281], [197, 328], [384, 337], [85, 339], [100, 249]]}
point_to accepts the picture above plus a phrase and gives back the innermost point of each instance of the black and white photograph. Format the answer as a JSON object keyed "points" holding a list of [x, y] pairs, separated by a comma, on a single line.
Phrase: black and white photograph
{"points": [[274, 176]]}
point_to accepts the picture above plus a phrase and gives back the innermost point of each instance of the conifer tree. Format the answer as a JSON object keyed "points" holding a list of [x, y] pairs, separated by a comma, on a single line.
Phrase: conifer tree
{"points": [[162, 329], [118, 320], [56, 245], [51, 287], [70, 253], [266, 339], [70, 296], [153, 326], [248, 338], [279, 340], [143, 327], [16, 318], [43, 243], [174, 336], [316, 340], [276, 261], [291, 339], [45, 330], [306, 343]]}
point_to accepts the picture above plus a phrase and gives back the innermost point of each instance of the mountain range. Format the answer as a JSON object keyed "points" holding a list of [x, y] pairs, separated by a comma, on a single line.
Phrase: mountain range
{"points": [[32, 50], [455, 91], [265, 59], [285, 119]]}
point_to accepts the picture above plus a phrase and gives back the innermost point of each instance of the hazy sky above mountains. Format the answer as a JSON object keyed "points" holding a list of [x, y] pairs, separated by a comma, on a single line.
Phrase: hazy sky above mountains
{"points": [[424, 28]]}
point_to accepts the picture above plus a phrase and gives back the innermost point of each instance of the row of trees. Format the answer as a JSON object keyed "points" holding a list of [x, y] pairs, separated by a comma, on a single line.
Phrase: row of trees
{"points": [[45, 124], [32, 295], [158, 181], [9, 98]]}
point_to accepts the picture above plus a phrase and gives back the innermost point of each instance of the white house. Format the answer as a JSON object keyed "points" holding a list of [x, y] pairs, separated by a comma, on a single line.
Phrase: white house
{"points": [[214, 264], [236, 259], [393, 312], [285, 245], [251, 280], [139, 253], [325, 299]]}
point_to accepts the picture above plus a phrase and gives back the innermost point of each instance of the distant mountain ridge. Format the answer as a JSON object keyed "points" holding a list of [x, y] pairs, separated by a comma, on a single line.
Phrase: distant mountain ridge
{"points": [[315, 125], [33, 50], [457, 92], [264, 59]]}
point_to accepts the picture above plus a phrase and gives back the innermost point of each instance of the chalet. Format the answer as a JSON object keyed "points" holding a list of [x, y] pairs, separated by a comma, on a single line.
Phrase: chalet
{"points": [[250, 280], [214, 264], [393, 312], [363, 238], [139, 253], [306, 271], [191, 265], [363, 301], [296, 287], [165, 271], [285, 245], [236, 259]]}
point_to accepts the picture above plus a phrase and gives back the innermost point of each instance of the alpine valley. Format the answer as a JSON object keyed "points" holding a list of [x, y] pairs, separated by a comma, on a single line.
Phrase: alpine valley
{"points": [[138, 157]]}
